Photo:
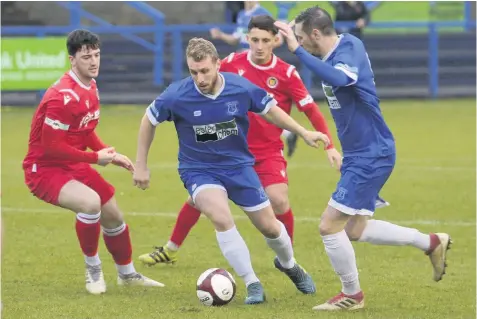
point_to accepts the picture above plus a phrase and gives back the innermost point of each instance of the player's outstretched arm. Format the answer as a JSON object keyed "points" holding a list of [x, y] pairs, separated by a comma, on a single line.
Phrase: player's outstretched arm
{"points": [[277, 116], [326, 72], [146, 134], [231, 39], [54, 137]]}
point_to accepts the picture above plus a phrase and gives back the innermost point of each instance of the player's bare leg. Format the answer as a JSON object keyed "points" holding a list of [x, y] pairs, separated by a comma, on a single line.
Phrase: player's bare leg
{"points": [[278, 196], [118, 242], [187, 218], [378, 232], [86, 203], [213, 203], [341, 254], [277, 239]]}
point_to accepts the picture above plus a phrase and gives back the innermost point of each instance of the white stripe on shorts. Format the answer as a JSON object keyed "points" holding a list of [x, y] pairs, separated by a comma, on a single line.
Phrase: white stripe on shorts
{"points": [[205, 186], [256, 207], [348, 210]]}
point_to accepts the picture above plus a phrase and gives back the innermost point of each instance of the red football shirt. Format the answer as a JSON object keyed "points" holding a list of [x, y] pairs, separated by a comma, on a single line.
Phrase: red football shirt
{"points": [[282, 81], [67, 115]]}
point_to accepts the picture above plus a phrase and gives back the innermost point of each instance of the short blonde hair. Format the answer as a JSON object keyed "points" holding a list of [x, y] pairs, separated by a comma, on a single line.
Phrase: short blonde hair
{"points": [[199, 49]]}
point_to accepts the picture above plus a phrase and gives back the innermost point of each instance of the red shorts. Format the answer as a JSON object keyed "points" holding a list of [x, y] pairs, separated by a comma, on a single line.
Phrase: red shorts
{"points": [[272, 170], [47, 182]]}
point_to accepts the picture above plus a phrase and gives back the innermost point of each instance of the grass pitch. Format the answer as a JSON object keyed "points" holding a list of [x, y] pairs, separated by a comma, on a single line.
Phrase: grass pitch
{"points": [[432, 188]]}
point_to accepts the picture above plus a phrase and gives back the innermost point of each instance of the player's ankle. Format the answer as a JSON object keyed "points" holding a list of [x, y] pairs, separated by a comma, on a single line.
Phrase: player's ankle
{"points": [[434, 242], [172, 247]]}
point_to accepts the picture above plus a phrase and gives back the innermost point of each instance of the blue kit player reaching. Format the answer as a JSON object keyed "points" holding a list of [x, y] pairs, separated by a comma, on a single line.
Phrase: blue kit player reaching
{"points": [[369, 154], [209, 110]]}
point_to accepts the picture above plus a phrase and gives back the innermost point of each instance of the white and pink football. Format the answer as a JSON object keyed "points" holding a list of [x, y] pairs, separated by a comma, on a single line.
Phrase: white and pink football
{"points": [[216, 287]]}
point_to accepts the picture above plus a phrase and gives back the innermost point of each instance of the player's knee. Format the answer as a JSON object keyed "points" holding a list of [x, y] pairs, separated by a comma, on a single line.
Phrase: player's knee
{"points": [[190, 202], [355, 230], [353, 234], [222, 223], [111, 215], [270, 228], [328, 227], [91, 204]]}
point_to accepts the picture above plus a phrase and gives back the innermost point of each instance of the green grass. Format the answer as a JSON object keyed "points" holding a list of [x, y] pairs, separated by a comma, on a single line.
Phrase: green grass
{"points": [[432, 188], [389, 11]]}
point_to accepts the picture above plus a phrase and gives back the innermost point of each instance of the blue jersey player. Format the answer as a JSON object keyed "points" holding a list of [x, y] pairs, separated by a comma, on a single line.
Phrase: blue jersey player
{"points": [[209, 110], [369, 154]]}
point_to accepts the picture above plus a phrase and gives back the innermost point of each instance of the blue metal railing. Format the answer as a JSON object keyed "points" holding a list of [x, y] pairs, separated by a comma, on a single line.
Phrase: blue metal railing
{"points": [[160, 30]]}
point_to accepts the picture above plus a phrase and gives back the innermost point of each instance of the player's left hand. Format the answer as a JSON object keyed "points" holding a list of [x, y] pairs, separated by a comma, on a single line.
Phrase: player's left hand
{"points": [[312, 137], [123, 161], [335, 158], [287, 32]]}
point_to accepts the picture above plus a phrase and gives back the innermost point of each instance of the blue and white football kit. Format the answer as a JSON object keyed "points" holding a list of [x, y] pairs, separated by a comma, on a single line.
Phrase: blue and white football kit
{"points": [[212, 133], [367, 143]]}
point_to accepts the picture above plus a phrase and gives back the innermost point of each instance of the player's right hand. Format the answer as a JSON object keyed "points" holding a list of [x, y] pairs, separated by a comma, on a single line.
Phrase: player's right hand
{"points": [[106, 156], [141, 177], [312, 137]]}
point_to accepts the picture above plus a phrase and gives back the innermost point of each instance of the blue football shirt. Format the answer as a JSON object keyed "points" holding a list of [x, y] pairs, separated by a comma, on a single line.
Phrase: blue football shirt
{"points": [[212, 130], [355, 108]]}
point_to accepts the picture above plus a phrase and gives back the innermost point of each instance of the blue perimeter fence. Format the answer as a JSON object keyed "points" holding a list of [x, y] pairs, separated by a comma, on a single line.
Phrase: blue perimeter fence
{"points": [[160, 30]]}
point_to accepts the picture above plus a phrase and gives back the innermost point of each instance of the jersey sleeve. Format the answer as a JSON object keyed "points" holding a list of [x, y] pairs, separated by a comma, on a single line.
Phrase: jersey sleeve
{"points": [[299, 92], [347, 61], [261, 101], [59, 116], [160, 109], [226, 64]]}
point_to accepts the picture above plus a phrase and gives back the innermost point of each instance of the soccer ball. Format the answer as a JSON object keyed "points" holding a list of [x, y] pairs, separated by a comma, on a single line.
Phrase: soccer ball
{"points": [[216, 287]]}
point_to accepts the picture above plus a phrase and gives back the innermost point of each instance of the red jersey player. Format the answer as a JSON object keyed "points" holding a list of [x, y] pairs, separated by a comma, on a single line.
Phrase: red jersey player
{"points": [[58, 171], [264, 69]]}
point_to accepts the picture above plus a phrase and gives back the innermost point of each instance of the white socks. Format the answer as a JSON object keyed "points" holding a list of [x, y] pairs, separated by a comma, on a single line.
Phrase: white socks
{"points": [[126, 269], [171, 246], [282, 246], [92, 260], [236, 252], [383, 233], [342, 258]]}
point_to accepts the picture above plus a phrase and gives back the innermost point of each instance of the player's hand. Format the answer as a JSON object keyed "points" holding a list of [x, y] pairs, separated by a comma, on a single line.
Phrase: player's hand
{"points": [[123, 161], [141, 177], [215, 33], [286, 31], [360, 23], [312, 137], [106, 156], [335, 158]]}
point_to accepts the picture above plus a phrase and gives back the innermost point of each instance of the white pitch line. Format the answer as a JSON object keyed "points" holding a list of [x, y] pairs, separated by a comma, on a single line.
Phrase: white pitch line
{"points": [[455, 223], [319, 164]]}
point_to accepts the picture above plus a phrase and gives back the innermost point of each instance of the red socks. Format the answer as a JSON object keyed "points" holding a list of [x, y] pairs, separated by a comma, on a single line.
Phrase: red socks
{"points": [[88, 230], [188, 217], [289, 221]]}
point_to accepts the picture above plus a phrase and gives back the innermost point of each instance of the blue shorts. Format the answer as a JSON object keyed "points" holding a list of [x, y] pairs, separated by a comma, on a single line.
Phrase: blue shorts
{"points": [[242, 185], [361, 180]]}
